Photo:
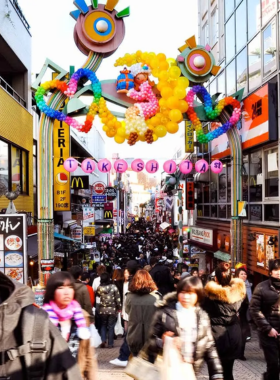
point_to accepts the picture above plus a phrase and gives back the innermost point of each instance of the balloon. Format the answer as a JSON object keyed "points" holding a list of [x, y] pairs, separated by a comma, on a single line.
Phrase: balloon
{"points": [[163, 65], [201, 166], [216, 166], [170, 167], [172, 127], [152, 166], [186, 167], [183, 106], [137, 165], [120, 166], [173, 102], [161, 57], [166, 92], [104, 165], [119, 139], [160, 131], [155, 138], [171, 62], [179, 92], [163, 75], [174, 72], [88, 165], [70, 164], [183, 82], [175, 115], [121, 132]]}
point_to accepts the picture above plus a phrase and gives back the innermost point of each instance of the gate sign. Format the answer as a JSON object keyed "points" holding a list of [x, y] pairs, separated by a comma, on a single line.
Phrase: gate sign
{"points": [[111, 193], [99, 198], [99, 187], [13, 247]]}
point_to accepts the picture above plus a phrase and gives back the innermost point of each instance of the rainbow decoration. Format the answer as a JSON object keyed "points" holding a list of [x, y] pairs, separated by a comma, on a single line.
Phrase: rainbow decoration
{"points": [[211, 113]]}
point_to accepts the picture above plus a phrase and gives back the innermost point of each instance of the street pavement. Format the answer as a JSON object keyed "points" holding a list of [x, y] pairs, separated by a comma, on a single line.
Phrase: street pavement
{"points": [[252, 369]]}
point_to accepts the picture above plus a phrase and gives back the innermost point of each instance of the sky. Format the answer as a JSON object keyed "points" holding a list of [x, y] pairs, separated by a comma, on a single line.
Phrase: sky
{"points": [[159, 26]]}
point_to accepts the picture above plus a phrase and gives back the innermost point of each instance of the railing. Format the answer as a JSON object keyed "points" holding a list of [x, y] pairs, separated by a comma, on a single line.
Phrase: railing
{"points": [[12, 92], [20, 14]]}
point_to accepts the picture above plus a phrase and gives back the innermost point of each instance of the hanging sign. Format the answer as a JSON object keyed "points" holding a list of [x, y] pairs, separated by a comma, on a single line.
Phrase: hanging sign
{"points": [[99, 198], [189, 137], [108, 210], [89, 231], [99, 187], [47, 266], [111, 193], [80, 182]]}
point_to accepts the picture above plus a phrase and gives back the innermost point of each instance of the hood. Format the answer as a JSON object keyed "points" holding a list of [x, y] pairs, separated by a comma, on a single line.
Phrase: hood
{"points": [[106, 289], [168, 300], [235, 292]]}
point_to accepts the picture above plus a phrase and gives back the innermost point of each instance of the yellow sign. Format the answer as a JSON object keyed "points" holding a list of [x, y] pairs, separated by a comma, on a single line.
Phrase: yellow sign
{"points": [[89, 231], [108, 214], [61, 178], [189, 137], [242, 208]]}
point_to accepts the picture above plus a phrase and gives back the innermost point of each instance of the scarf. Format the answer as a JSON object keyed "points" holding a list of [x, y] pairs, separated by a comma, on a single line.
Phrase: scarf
{"points": [[248, 290], [188, 324]]}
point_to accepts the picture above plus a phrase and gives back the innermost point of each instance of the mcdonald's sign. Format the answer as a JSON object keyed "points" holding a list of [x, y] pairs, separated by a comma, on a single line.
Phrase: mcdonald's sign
{"points": [[80, 182], [108, 214], [108, 210]]}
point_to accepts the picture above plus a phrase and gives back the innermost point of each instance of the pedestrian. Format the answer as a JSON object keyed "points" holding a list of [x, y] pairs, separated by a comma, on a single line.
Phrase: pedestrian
{"points": [[81, 293], [140, 307], [265, 312], [194, 272], [96, 282], [125, 291], [243, 314], [66, 313], [142, 260], [86, 280], [161, 276], [223, 300], [180, 316], [110, 306], [118, 280]]}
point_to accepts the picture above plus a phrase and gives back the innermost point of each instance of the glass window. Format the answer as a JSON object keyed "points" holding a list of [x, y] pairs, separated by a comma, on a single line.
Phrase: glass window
{"points": [[229, 211], [199, 210], [241, 26], [206, 194], [229, 7], [16, 165], [256, 177], [229, 182], [221, 84], [271, 180], [205, 34], [214, 211], [24, 178], [213, 188], [268, 10], [230, 75], [222, 211], [254, 61], [256, 213], [245, 178], [269, 48], [254, 19], [4, 165], [271, 213], [199, 193], [230, 39], [206, 211], [223, 186], [241, 70], [214, 27]]}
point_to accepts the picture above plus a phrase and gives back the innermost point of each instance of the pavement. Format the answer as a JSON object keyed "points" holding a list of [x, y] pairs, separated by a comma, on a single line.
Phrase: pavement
{"points": [[251, 369]]}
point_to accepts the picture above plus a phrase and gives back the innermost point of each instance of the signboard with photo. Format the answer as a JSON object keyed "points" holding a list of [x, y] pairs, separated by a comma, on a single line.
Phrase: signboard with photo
{"points": [[13, 246], [260, 250], [269, 250]]}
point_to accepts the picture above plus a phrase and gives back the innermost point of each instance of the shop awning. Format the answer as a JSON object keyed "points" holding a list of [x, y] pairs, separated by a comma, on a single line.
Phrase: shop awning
{"points": [[32, 245], [222, 256], [59, 236]]}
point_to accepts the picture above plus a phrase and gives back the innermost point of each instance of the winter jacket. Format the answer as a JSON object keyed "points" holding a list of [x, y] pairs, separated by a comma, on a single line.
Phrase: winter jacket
{"points": [[166, 319], [60, 365], [110, 299], [82, 296], [264, 307], [140, 310], [222, 305], [163, 279]]}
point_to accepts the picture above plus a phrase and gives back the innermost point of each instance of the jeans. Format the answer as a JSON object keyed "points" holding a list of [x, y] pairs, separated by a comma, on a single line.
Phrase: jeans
{"points": [[271, 350], [228, 369], [108, 323], [124, 350]]}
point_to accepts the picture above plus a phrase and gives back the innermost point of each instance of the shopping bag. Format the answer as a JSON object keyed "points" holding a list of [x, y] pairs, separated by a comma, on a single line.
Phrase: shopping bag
{"points": [[118, 326], [141, 369], [95, 339], [173, 366]]}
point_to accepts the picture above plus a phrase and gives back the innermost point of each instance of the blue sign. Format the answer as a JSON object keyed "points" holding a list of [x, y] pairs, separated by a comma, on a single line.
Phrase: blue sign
{"points": [[99, 199]]}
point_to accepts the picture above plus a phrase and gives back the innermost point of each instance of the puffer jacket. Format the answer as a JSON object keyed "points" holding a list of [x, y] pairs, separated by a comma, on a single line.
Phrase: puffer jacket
{"points": [[222, 305], [166, 319], [110, 299], [60, 365], [264, 307]]}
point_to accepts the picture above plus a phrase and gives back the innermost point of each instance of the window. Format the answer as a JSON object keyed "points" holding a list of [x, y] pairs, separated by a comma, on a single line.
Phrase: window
{"points": [[223, 186], [254, 61], [254, 19], [256, 213], [256, 177], [205, 34], [269, 48], [268, 10], [4, 164], [229, 8], [213, 87], [271, 175], [241, 70], [228, 183], [231, 82], [222, 211], [271, 213], [221, 84], [245, 178], [230, 39], [241, 26], [214, 27]]}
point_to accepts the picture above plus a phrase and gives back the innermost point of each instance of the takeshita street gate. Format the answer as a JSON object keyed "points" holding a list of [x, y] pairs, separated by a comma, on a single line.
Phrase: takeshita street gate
{"points": [[153, 109]]}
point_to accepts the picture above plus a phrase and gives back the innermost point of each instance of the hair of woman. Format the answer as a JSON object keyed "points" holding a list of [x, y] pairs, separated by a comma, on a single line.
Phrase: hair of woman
{"points": [[55, 281], [142, 283], [105, 279], [191, 285], [118, 275], [238, 271], [274, 264], [100, 269], [223, 274]]}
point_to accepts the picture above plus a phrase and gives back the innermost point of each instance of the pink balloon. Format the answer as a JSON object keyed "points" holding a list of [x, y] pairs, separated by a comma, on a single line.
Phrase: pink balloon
{"points": [[137, 165], [120, 166], [170, 167], [186, 167], [88, 165], [70, 164], [152, 166], [104, 165], [216, 166], [201, 166]]}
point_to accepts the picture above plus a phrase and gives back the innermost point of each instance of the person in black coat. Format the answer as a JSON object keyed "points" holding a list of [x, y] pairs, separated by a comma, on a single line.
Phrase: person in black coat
{"points": [[162, 277], [223, 300], [265, 312]]}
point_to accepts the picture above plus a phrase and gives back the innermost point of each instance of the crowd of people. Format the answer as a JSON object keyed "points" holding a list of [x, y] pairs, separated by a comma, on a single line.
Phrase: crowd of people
{"points": [[155, 298]]}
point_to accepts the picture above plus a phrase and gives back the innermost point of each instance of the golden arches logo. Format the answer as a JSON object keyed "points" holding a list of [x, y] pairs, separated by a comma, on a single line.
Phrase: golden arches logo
{"points": [[77, 181], [108, 214]]}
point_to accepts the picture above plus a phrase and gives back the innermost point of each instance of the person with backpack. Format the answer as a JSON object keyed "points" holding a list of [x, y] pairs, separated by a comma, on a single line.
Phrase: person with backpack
{"points": [[31, 347], [73, 323]]}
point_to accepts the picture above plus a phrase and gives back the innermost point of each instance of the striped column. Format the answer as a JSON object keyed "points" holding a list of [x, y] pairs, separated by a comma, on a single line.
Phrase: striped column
{"points": [[180, 225]]}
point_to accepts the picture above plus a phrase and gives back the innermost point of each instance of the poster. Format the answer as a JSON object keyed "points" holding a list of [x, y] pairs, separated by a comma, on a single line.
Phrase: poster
{"points": [[260, 250], [269, 250], [13, 255]]}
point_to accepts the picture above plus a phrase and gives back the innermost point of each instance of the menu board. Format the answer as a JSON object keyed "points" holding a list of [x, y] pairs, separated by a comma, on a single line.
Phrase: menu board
{"points": [[13, 254]]}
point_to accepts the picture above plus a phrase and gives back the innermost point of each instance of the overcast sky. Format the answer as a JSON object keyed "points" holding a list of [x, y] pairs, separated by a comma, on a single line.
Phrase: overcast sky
{"points": [[159, 26]]}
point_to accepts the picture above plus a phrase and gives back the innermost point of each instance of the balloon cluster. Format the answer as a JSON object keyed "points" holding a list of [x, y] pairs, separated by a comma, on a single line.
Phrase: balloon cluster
{"points": [[211, 113]]}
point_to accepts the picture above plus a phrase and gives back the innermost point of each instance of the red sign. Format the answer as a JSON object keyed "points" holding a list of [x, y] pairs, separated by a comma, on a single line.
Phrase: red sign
{"points": [[115, 213], [108, 206], [99, 187]]}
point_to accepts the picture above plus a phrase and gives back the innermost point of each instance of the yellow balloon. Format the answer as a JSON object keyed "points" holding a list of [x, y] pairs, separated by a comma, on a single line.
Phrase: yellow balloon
{"points": [[175, 115], [183, 82], [154, 63], [155, 121], [160, 131], [163, 75], [119, 139], [105, 128], [173, 102], [163, 65], [166, 92], [155, 72], [183, 106], [173, 83], [121, 132], [155, 138], [162, 102], [171, 62], [123, 123], [172, 127], [179, 92], [174, 72], [161, 57], [142, 138], [161, 85]]}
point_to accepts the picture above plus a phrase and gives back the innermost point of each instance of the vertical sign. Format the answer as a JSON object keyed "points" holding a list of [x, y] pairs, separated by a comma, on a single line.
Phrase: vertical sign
{"points": [[189, 137], [13, 250], [205, 131], [61, 180]]}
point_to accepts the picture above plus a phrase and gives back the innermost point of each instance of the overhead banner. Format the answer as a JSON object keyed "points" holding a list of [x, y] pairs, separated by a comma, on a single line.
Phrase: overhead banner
{"points": [[80, 182], [61, 180]]}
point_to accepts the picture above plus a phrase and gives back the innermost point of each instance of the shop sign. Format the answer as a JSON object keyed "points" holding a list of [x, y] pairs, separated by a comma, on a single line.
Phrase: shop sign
{"points": [[269, 250], [88, 213], [13, 247], [89, 231], [61, 180], [98, 205], [260, 250], [108, 210], [47, 266], [99, 187], [111, 193], [80, 182], [202, 235], [189, 137], [99, 198]]}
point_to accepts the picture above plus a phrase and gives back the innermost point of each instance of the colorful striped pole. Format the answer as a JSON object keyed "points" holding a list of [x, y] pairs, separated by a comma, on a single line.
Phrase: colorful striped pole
{"points": [[180, 225]]}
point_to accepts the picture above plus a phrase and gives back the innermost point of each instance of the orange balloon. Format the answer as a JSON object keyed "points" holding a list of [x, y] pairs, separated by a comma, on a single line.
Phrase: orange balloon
{"points": [[183, 106], [175, 115], [173, 102], [172, 127], [179, 92], [166, 92], [163, 65], [160, 131]]}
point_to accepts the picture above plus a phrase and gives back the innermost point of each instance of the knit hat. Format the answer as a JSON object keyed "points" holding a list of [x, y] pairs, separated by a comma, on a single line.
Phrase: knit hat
{"points": [[138, 68]]}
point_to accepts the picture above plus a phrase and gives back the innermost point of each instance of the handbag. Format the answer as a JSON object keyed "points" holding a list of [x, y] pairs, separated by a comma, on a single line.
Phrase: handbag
{"points": [[95, 339], [118, 326]]}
